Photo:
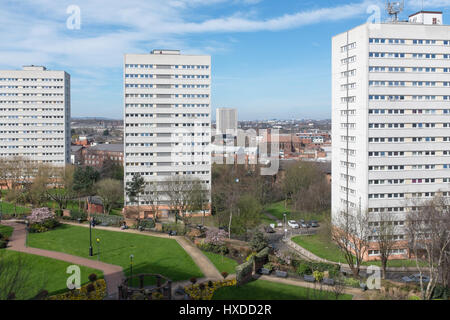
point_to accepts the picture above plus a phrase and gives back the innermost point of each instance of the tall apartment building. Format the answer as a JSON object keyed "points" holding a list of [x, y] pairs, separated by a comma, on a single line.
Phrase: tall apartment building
{"points": [[226, 120], [167, 119], [35, 115], [391, 117]]}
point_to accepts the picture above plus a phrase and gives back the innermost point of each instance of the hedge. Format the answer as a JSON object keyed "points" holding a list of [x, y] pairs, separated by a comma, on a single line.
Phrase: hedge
{"points": [[307, 267], [244, 272]]}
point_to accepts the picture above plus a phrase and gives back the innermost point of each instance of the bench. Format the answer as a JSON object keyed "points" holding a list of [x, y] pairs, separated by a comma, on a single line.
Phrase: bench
{"points": [[309, 278], [328, 281], [281, 274], [172, 233], [264, 271]]}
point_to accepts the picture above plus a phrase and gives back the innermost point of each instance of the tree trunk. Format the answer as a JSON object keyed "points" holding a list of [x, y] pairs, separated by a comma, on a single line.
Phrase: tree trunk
{"points": [[384, 267]]}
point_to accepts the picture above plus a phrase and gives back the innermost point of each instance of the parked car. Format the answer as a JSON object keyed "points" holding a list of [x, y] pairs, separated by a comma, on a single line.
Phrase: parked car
{"points": [[293, 224], [269, 229], [279, 224], [314, 224], [304, 225], [272, 225]]}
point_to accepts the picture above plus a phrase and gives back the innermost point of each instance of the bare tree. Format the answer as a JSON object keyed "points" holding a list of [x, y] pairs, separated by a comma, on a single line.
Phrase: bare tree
{"points": [[153, 195], [177, 189], [198, 198], [428, 230], [384, 232], [60, 185], [351, 234], [110, 191]]}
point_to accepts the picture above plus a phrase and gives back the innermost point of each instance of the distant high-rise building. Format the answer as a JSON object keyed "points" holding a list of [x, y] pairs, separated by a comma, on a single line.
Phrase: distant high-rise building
{"points": [[167, 124], [226, 120], [35, 115], [391, 118]]}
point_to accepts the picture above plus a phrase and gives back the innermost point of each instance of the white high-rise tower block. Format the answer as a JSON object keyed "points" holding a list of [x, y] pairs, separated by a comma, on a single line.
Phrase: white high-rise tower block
{"points": [[35, 115], [167, 119], [391, 117]]}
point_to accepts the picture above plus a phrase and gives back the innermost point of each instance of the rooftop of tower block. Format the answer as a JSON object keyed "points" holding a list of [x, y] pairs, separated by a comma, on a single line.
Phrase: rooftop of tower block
{"points": [[34, 68], [165, 51]]}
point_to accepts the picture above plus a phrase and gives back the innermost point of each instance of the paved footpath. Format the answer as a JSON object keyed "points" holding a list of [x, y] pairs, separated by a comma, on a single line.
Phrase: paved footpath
{"points": [[113, 274]]}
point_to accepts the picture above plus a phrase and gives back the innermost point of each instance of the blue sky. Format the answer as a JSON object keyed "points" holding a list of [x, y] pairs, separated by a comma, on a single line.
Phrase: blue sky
{"points": [[271, 58]]}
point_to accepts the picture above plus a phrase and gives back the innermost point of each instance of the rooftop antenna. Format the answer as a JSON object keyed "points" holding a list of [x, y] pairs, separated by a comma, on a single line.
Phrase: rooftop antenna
{"points": [[394, 8]]}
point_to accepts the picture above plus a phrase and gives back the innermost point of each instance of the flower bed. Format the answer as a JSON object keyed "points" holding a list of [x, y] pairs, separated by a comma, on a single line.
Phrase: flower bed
{"points": [[205, 290], [91, 291]]}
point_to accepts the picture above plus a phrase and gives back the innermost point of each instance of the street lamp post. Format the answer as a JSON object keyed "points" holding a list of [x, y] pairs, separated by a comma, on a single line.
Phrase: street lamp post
{"points": [[131, 268], [98, 248], [285, 228], [231, 212], [90, 238]]}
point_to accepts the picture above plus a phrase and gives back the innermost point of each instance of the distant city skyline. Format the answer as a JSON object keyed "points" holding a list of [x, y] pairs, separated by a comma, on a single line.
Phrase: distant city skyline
{"points": [[270, 59]]}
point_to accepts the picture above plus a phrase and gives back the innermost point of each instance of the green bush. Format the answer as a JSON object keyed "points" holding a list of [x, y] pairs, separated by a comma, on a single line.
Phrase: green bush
{"points": [[318, 275], [210, 247], [268, 266], [44, 226], [243, 272], [304, 269], [147, 223], [3, 243], [258, 241], [75, 215], [351, 282], [58, 212]]}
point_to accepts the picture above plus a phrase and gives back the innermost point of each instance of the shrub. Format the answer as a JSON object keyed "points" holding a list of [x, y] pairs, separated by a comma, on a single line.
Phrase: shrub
{"points": [[3, 243], [39, 215], [75, 215], [58, 212], [351, 282], [90, 288], [44, 226], [268, 266], [304, 269], [92, 277], [258, 241], [318, 275], [147, 223], [244, 272], [250, 257], [211, 247]]}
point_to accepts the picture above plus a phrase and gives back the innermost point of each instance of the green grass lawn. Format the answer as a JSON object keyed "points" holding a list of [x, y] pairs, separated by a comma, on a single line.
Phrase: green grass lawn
{"points": [[267, 290], [330, 251], [40, 273], [277, 210], [8, 208], [151, 254], [6, 230], [222, 263]]}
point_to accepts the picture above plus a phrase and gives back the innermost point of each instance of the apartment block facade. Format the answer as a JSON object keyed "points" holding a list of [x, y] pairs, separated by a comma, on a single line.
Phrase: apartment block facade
{"points": [[167, 120], [35, 115], [226, 121], [391, 118]]}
